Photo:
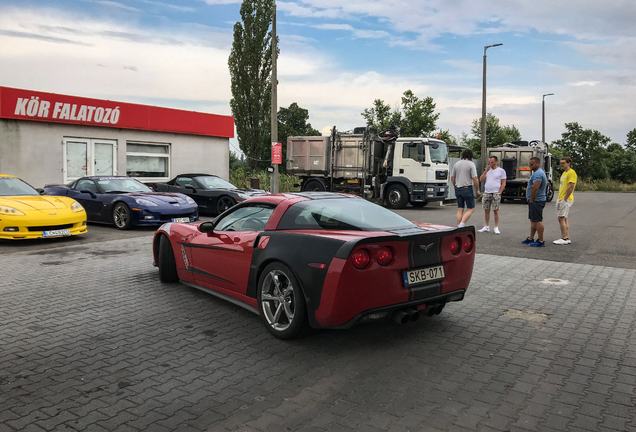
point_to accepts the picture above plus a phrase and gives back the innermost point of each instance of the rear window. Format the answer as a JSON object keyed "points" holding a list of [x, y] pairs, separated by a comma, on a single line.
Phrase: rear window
{"points": [[341, 214]]}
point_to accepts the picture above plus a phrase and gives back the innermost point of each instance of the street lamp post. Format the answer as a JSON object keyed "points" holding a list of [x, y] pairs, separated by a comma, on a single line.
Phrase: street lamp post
{"points": [[483, 112], [274, 137], [543, 116]]}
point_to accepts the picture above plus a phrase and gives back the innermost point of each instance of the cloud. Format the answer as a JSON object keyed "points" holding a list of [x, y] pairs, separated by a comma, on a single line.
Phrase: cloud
{"points": [[169, 6], [430, 19], [295, 10], [583, 83], [113, 4], [222, 2], [357, 33], [26, 35], [170, 66]]}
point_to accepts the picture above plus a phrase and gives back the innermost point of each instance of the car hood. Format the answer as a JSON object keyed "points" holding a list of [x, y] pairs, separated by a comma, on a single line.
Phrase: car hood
{"points": [[161, 198], [41, 203]]}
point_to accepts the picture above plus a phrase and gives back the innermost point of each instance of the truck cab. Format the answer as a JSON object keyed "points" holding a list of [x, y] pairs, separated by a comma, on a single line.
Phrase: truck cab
{"points": [[419, 174]]}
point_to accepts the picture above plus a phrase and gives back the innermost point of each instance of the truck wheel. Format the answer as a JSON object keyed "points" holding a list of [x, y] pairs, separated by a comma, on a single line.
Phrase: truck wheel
{"points": [[549, 193], [397, 196], [314, 186], [419, 204]]}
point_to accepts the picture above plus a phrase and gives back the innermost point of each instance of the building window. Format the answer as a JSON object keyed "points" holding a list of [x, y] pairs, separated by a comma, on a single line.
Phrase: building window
{"points": [[148, 161], [89, 157]]}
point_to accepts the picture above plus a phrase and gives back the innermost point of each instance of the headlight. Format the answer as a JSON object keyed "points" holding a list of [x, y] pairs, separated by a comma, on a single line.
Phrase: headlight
{"points": [[10, 211], [190, 200], [242, 196], [76, 207], [145, 202]]}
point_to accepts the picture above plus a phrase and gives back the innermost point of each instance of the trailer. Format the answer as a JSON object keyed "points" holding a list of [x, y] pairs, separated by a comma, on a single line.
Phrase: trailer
{"points": [[514, 157]]}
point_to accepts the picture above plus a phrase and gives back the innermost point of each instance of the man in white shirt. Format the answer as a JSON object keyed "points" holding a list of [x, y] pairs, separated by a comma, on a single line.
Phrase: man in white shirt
{"points": [[495, 179]]}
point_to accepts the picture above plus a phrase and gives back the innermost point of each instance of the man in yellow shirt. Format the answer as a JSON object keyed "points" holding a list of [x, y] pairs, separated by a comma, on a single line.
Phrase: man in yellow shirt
{"points": [[566, 198]]}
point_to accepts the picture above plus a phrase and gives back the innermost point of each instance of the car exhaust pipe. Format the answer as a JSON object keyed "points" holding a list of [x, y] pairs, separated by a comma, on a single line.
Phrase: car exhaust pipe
{"points": [[439, 308], [401, 317], [430, 310], [413, 314]]}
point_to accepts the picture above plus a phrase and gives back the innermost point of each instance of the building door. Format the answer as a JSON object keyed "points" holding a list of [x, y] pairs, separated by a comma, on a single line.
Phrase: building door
{"points": [[89, 157]]}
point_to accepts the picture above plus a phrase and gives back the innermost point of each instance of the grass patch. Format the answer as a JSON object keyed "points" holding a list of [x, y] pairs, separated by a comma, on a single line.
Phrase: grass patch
{"points": [[240, 177], [599, 186]]}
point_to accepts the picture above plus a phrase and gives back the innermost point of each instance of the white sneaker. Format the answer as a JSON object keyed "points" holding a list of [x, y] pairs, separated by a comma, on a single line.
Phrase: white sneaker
{"points": [[485, 229], [497, 230], [461, 225], [561, 242]]}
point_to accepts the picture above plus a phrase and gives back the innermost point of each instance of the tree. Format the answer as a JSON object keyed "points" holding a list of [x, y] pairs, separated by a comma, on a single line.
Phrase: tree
{"points": [[631, 140], [445, 136], [615, 148], [496, 135], [250, 65], [417, 117], [586, 147], [622, 166], [292, 121], [380, 115]]}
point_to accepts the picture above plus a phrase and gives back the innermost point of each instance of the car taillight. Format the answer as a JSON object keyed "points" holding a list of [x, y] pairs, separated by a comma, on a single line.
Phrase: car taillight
{"points": [[468, 244], [361, 259], [384, 256], [455, 246]]}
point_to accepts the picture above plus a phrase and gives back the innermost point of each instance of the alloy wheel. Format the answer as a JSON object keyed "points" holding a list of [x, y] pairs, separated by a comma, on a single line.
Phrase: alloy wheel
{"points": [[278, 300], [120, 216]]}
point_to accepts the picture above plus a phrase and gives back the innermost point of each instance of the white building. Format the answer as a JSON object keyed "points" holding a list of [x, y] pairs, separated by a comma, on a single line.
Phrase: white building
{"points": [[50, 138]]}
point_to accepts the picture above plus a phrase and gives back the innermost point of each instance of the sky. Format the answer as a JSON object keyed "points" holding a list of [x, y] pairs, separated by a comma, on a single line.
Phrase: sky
{"points": [[338, 56]]}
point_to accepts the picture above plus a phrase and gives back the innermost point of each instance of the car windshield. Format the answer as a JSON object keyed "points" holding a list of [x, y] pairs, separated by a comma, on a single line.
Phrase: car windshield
{"points": [[341, 214], [211, 182], [439, 154], [11, 186], [122, 185]]}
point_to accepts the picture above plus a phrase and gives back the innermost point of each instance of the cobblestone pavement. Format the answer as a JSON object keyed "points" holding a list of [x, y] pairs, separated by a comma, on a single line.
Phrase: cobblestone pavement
{"points": [[90, 340]]}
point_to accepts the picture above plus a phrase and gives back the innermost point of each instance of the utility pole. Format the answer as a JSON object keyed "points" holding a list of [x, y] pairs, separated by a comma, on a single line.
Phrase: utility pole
{"points": [[543, 116], [274, 182], [484, 152]]}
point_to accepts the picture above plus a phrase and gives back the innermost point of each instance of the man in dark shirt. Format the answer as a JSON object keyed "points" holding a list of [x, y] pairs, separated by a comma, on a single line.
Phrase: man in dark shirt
{"points": [[535, 194]]}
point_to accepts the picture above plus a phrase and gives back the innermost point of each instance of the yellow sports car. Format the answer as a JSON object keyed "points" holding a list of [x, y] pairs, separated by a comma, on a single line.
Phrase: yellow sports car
{"points": [[25, 214]]}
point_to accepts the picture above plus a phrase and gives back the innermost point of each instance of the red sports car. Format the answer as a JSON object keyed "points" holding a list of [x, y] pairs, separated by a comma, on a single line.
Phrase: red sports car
{"points": [[322, 259]]}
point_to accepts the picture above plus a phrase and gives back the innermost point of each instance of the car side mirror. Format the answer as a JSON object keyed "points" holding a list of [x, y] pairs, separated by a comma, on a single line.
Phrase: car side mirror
{"points": [[90, 192], [40, 191], [192, 188], [206, 227]]}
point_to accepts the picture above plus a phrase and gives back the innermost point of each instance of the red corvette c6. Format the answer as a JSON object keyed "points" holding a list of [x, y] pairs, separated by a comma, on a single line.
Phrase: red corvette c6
{"points": [[323, 259]]}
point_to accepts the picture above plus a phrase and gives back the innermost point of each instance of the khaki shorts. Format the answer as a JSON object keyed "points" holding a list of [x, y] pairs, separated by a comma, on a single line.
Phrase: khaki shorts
{"points": [[491, 200], [563, 208]]}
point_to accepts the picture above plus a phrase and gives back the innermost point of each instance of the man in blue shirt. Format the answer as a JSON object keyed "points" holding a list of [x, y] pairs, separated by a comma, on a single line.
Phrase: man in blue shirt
{"points": [[535, 194]]}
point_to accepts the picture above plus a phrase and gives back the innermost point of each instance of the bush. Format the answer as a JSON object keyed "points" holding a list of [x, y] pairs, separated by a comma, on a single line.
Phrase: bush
{"points": [[241, 175], [604, 186]]}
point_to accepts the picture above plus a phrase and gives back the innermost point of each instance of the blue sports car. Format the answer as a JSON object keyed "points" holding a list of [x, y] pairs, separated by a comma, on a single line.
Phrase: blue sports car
{"points": [[126, 202]]}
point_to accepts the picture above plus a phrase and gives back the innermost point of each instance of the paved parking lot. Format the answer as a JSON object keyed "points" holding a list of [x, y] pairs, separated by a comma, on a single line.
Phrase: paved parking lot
{"points": [[90, 340]]}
